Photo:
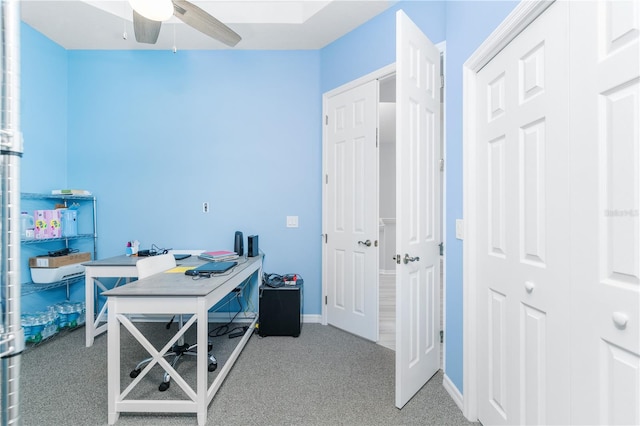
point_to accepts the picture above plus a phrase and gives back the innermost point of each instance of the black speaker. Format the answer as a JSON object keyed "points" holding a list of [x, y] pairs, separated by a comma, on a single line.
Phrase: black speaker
{"points": [[252, 246], [238, 244]]}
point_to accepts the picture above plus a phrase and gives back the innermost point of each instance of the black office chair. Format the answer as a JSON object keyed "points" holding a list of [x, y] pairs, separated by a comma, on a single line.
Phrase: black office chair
{"points": [[153, 265]]}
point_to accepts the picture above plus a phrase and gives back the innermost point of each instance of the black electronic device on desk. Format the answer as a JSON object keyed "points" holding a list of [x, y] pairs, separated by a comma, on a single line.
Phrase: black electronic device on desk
{"points": [[281, 307], [210, 268]]}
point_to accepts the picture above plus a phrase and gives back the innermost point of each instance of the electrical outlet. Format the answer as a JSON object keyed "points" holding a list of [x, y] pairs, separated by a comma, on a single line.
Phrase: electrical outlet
{"points": [[205, 207], [460, 229]]}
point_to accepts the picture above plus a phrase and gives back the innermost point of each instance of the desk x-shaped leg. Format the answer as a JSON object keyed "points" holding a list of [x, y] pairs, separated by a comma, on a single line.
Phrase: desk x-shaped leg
{"points": [[158, 356]]}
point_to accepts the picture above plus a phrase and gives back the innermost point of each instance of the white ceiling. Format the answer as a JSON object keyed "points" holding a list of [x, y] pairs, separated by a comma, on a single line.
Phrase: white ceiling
{"points": [[262, 24]]}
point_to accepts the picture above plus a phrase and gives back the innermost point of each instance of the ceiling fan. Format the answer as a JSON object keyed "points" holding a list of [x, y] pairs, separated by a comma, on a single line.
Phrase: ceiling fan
{"points": [[149, 14]]}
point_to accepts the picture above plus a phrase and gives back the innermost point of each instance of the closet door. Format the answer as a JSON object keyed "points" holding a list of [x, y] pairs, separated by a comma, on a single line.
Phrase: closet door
{"points": [[523, 220], [605, 195]]}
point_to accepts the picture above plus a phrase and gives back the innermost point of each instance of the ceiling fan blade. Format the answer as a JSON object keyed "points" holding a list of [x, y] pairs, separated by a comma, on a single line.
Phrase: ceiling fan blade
{"points": [[194, 16], [146, 30]]}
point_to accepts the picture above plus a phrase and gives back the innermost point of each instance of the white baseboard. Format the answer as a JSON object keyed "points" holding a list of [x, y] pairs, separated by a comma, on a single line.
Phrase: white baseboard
{"points": [[311, 319], [453, 392]]}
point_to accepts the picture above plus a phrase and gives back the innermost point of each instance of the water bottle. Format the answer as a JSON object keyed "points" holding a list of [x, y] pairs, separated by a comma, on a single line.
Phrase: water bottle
{"points": [[26, 321], [27, 226]]}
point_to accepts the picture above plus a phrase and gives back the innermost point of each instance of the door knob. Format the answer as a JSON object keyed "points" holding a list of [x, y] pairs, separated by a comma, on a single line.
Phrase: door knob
{"points": [[620, 319], [365, 243], [408, 258]]}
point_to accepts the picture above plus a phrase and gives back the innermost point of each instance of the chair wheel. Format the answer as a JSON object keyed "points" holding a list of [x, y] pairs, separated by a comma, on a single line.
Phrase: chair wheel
{"points": [[212, 367], [134, 373], [209, 347], [164, 386]]}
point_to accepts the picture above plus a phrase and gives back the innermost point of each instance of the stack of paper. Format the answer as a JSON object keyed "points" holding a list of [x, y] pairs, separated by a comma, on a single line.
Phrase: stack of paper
{"points": [[218, 256]]}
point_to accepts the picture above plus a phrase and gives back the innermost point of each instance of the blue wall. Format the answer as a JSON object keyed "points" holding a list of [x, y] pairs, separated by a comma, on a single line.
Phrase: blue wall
{"points": [[43, 121], [43, 111], [155, 134]]}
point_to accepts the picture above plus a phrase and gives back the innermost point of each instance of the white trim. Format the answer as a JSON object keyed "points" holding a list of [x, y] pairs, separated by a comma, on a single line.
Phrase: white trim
{"points": [[519, 19], [453, 391], [380, 73], [468, 257], [312, 319], [523, 14]]}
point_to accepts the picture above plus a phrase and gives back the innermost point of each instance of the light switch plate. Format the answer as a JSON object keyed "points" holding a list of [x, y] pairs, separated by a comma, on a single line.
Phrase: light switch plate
{"points": [[460, 229], [292, 221]]}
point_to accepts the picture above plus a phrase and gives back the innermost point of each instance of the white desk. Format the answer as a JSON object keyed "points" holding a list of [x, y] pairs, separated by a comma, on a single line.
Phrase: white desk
{"points": [[171, 293], [121, 267]]}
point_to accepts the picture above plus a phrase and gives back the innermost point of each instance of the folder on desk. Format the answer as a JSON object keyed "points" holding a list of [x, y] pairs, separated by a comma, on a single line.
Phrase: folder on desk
{"points": [[178, 270]]}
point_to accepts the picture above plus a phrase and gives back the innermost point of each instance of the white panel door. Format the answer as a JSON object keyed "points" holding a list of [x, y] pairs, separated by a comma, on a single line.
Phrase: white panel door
{"points": [[352, 210], [522, 222], [605, 181], [417, 209]]}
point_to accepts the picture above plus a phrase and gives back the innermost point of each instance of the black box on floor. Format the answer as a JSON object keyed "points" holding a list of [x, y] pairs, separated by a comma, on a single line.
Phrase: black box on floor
{"points": [[280, 310]]}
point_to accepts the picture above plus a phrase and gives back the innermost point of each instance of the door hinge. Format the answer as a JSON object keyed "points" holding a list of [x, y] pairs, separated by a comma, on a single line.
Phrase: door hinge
{"points": [[325, 300], [441, 245], [326, 238], [326, 179], [441, 81], [326, 120], [441, 336], [442, 164]]}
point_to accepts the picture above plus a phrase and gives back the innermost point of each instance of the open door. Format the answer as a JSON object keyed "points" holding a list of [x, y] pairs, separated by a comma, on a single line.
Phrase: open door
{"points": [[418, 209], [351, 183]]}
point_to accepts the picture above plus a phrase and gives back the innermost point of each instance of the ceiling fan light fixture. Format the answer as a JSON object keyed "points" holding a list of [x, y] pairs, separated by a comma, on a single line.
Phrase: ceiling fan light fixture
{"points": [[155, 10]]}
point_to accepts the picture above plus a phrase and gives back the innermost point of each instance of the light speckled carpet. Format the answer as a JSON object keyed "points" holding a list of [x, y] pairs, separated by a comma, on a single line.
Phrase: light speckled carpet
{"points": [[323, 377]]}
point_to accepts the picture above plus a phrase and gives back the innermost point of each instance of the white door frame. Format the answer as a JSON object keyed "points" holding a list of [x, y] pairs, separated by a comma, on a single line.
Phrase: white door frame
{"points": [[523, 14]]}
